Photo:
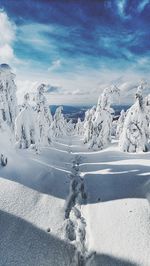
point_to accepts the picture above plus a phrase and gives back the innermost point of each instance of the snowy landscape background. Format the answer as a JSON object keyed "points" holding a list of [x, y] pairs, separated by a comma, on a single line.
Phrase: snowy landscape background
{"points": [[74, 133]]}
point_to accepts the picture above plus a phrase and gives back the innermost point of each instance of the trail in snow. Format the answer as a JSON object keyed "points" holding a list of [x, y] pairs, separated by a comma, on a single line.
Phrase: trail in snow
{"points": [[103, 223], [75, 226]]}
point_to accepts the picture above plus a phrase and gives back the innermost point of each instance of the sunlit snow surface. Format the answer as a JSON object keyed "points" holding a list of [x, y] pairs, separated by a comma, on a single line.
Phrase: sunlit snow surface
{"points": [[33, 193]]}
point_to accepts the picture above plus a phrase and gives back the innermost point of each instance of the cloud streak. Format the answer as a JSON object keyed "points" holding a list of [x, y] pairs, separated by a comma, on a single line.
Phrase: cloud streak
{"points": [[7, 36]]}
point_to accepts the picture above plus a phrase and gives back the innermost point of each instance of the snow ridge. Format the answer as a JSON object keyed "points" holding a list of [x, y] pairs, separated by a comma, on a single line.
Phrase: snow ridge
{"points": [[75, 226]]}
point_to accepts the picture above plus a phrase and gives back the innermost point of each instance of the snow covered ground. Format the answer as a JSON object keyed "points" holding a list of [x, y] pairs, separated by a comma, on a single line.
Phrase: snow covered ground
{"points": [[71, 206]]}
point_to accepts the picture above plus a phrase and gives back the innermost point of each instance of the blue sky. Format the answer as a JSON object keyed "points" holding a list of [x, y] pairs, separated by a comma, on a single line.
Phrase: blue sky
{"points": [[78, 46]]}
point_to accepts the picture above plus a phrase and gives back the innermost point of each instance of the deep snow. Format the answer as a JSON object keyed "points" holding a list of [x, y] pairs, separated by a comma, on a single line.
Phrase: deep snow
{"points": [[109, 193]]}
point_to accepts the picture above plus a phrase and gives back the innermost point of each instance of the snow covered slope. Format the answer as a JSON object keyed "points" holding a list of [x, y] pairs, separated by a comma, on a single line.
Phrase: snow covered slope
{"points": [[70, 206]]}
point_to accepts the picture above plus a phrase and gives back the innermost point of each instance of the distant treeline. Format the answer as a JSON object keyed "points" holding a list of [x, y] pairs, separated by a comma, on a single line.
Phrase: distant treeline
{"points": [[75, 112]]}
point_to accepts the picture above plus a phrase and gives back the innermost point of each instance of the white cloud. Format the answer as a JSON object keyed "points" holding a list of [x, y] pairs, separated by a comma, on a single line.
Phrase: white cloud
{"points": [[121, 9], [7, 33], [30, 86], [24, 86], [55, 65], [121, 6], [7, 36], [142, 5], [52, 89], [145, 60], [84, 88], [6, 53]]}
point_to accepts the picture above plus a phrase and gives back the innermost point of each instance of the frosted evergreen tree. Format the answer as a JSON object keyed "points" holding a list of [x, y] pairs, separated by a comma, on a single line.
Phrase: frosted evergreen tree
{"points": [[120, 123], [70, 127], [8, 100], [26, 129], [114, 128], [44, 117], [5, 132], [147, 106], [134, 136], [88, 124], [59, 124], [5, 140], [102, 120]]}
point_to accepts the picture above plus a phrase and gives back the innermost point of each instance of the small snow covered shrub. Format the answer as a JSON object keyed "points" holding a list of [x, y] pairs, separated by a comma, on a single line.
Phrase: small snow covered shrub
{"points": [[26, 131], [134, 135], [79, 130], [70, 127], [3, 160]]}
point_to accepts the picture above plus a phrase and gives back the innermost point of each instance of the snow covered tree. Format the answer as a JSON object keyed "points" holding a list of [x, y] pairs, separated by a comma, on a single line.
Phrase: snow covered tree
{"points": [[3, 160], [8, 100], [59, 124], [26, 130], [44, 117], [120, 123], [79, 127], [147, 106], [134, 136], [5, 141], [70, 127], [5, 132], [88, 124], [102, 120], [114, 128]]}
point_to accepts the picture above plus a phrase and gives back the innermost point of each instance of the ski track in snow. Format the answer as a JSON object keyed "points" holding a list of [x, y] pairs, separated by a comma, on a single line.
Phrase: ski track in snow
{"points": [[75, 223]]}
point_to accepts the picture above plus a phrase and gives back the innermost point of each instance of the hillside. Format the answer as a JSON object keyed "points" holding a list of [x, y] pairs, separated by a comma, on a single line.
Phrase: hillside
{"points": [[103, 219]]}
